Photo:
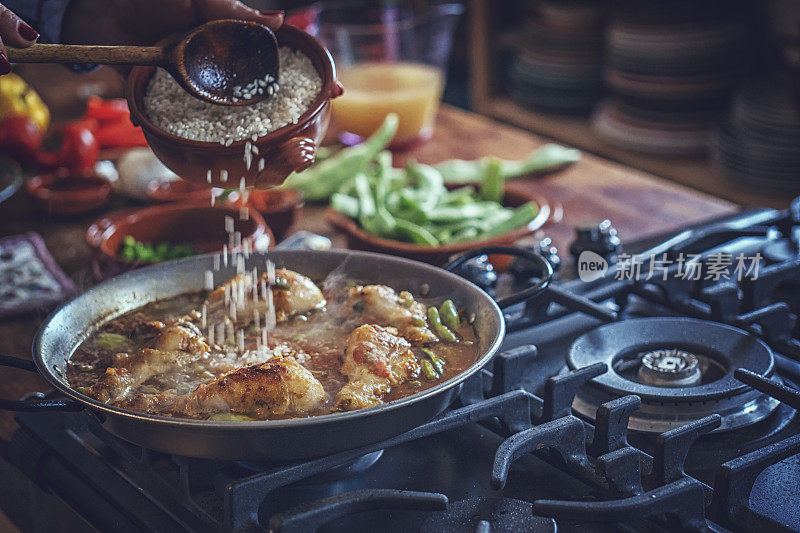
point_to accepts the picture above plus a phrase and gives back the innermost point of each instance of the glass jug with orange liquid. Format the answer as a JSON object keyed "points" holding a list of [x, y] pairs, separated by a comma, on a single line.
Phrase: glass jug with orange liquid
{"points": [[391, 58]]}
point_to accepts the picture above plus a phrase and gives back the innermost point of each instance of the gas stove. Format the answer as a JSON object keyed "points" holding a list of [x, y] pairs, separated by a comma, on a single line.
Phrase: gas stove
{"points": [[642, 403]]}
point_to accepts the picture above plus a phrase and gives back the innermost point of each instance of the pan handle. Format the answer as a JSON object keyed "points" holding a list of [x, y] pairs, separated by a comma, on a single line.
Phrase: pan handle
{"points": [[32, 405], [526, 294]]}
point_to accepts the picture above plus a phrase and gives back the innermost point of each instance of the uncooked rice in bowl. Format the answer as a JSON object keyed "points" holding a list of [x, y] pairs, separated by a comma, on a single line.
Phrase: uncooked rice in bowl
{"points": [[174, 110]]}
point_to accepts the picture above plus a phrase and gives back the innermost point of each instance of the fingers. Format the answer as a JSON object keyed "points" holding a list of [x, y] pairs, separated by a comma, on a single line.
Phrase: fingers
{"points": [[14, 31], [232, 9]]}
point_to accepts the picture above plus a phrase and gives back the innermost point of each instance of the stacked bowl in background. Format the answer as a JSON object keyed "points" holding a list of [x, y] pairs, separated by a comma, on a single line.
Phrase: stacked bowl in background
{"points": [[556, 58], [670, 68], [759, 142]]}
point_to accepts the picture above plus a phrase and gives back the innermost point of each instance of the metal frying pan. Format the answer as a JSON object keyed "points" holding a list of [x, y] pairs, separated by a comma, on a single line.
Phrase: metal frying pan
{"points": [[274, 440]]}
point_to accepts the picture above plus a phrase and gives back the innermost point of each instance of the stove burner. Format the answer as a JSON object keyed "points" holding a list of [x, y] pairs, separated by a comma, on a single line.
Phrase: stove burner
{"points": [[670, 368], [681, 368], [498, 515]]}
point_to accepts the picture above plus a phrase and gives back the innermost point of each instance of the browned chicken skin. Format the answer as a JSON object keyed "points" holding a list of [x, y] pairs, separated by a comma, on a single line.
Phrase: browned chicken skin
{"points": [[292, 294], [375, 359], [175, 347], [381, 305], [279, 387]]}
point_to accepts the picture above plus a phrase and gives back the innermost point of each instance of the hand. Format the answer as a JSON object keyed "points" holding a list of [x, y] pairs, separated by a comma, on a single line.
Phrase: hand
{"points": [[15, 32], [144, 22]]}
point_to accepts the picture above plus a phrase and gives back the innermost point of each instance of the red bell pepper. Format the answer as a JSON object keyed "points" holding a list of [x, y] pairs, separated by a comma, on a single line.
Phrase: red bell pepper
{"points": [[19, 139], [72, 146], [115, 129], [120, 134], [106, 110]]}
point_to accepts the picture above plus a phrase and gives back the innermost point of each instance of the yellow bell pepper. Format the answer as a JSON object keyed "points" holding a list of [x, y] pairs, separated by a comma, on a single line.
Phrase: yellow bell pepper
{"points": [[19, 98]]}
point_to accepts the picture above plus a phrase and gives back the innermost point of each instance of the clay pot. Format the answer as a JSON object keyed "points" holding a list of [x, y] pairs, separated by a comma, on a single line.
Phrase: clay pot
{"points": [[290, 148]]}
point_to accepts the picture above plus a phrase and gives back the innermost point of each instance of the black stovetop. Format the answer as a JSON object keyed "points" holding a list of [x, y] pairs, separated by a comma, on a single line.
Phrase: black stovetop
{"points": [[512, 454]]}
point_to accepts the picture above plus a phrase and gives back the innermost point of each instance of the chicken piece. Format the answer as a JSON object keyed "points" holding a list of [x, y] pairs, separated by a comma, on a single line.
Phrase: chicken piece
{"points": [[375, 359], [279, 387], [173, 349], [381, 305], [292, 294]]}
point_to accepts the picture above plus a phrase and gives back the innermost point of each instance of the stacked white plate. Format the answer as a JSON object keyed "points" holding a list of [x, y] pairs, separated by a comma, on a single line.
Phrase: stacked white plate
{"points": [[671, 67], [556, 58], [759, 143]]}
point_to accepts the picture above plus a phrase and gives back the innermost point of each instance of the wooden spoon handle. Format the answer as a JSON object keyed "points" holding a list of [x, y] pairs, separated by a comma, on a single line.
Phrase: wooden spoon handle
{"points": [[105, 55]]}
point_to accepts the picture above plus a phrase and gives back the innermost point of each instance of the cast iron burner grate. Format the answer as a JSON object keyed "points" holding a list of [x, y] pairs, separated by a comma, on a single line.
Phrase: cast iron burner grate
{"points": [[512, 452], [721, 348]]}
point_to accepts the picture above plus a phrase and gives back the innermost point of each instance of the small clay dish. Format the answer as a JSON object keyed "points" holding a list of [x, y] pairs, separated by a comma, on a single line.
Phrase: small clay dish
{"points": [[287, 149], [358, 239], [163, 192], [68, 195], [279, 207], [197, 224]]}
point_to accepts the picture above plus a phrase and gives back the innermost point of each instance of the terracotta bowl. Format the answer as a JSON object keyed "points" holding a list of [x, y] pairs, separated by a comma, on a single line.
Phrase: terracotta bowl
{"points": [[68, 195], [358, 239], [177, 191], [290, 148], [279, 207], [197, 223]]}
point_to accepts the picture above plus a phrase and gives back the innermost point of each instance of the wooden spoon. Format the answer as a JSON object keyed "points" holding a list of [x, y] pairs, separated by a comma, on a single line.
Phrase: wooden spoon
{"points": [[226, 62]]}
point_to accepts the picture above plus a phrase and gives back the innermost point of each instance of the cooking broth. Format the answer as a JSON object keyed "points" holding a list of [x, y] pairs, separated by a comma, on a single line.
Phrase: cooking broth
{"points": [[316, 340]]}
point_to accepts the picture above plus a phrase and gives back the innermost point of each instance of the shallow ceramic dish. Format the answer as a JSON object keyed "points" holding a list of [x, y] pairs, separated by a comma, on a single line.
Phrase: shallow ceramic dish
{"points": [[358, 239], [68, 195], [199, 224], [290, 148]]}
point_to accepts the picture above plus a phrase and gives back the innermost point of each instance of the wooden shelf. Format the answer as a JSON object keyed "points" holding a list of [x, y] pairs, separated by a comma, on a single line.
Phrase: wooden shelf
{"points": [[698, 172]]}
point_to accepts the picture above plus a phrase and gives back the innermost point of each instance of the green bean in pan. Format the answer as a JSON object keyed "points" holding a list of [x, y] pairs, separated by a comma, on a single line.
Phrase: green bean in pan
{"points": [[406, 299], [440, 329], [428, 371], [449, 315], [418, 321], [438, 362]]}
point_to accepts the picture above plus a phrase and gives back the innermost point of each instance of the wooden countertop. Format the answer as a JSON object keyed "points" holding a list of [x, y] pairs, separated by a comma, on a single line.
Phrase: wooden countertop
{"points": [[639, 205]]}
